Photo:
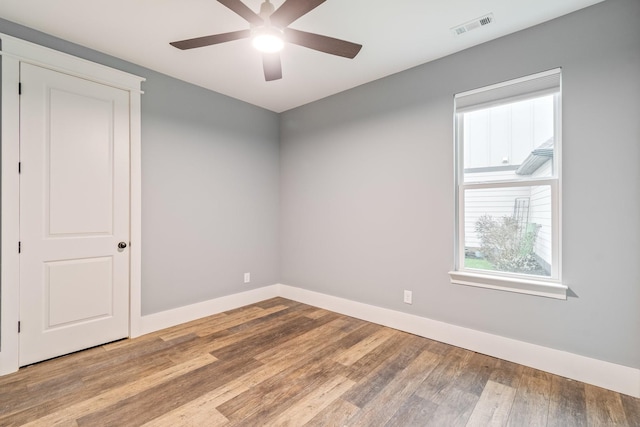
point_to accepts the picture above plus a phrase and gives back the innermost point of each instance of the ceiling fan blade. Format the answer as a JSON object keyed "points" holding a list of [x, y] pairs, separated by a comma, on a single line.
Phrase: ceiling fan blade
{"points": [[291, 10], [322, 43], [243, 10], [272, 66], [209, 40]]}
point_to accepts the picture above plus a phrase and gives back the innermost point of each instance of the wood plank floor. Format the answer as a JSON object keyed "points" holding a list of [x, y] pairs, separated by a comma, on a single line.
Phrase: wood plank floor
{"points": [[282, 363]]}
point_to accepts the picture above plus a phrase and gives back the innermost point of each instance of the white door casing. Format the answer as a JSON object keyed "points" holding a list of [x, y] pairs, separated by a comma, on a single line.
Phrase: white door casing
{"points": [[15, 52], [74, 211]]}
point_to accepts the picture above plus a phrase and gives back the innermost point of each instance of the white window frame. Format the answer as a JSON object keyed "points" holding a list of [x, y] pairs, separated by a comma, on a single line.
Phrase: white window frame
{"points": [[513, 282]]}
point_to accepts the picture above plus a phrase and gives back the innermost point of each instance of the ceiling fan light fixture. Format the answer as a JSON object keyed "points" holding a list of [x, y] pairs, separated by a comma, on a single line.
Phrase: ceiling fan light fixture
{"points": [[268, 39], [268, 29]]}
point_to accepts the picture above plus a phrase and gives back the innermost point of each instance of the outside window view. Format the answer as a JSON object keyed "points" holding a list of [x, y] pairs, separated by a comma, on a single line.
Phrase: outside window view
{"points": [[507, 223]]}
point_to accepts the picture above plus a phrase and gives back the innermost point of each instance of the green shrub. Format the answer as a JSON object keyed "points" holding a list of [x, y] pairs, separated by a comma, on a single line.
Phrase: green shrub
{"points": [[508, 245]]}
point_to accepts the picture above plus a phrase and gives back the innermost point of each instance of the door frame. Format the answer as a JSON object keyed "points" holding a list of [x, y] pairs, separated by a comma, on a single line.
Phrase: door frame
{"points": [[14, 51]]}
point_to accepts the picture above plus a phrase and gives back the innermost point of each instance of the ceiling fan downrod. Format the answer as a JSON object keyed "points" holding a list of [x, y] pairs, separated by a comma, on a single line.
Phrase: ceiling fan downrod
{"points": [[266, 9]]}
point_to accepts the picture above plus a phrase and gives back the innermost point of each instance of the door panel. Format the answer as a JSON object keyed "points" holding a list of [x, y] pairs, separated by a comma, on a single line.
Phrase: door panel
{"points": [[80, 192], [74, 209], [90, 281]]}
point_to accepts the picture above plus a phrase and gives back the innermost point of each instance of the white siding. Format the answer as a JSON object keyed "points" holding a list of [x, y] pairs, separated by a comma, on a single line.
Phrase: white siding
{"points": [[506, 134], [540, 213], [490, 176], [495, 202]]}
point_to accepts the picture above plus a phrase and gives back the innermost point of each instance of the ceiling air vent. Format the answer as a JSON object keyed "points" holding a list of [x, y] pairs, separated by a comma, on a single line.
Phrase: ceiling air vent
{"points": [[472, 25]]}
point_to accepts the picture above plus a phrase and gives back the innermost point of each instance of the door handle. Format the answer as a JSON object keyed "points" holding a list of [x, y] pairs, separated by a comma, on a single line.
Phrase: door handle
{"points": [[122, 245]]}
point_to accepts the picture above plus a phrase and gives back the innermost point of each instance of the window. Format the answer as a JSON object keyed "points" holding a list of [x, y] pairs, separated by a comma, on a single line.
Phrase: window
{"points": [[508, 185]]}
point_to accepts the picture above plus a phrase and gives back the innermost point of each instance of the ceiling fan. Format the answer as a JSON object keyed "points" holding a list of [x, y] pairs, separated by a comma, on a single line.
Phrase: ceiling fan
{"points": [[269, 30]]}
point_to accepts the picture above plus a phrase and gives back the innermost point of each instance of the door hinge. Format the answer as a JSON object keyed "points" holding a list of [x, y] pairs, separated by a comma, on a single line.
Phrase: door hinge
{"points": [[18, 326], [19, 88], [19, 247], [19, 167]]}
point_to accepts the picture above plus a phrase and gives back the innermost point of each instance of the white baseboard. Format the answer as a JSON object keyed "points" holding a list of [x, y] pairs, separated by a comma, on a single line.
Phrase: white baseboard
{"points": [[603, 374], [166, 319]]}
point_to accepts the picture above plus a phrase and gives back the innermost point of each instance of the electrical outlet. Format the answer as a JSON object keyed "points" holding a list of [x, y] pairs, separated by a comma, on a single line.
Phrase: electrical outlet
{"points": [[247, 277], [408, 297]]}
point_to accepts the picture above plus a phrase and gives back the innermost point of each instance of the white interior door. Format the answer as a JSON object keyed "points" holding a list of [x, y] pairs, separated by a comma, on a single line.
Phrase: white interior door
{"points": [[74, 212]]}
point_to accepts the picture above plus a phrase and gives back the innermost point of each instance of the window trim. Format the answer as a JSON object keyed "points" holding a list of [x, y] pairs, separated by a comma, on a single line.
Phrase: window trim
{"points": [[552, 286], [524, 285]]}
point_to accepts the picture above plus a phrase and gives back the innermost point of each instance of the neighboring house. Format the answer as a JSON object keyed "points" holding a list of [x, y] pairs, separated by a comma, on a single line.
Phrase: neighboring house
{"points": [[540, 163], [502, 143], [529, 205]]}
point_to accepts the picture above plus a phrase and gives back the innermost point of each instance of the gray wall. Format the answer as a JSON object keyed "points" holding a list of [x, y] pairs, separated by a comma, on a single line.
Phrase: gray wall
{"points": [[209, 187], [367, 206]]}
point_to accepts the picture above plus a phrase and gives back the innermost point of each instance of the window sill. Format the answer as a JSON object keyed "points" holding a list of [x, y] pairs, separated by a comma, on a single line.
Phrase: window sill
{"points": [[549, 289]]}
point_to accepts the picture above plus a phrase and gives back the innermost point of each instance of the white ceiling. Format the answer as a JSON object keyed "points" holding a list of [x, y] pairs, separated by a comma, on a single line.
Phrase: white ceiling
{"points": [[395, 34]]}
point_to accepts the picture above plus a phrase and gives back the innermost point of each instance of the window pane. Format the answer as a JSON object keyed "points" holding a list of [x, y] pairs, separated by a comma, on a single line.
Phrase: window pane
{"points": [[508, 229], [509, 142]]}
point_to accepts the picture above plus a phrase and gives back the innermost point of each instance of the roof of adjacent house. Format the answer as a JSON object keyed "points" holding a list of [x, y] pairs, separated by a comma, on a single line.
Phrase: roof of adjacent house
{"points": [[536, 158]]}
